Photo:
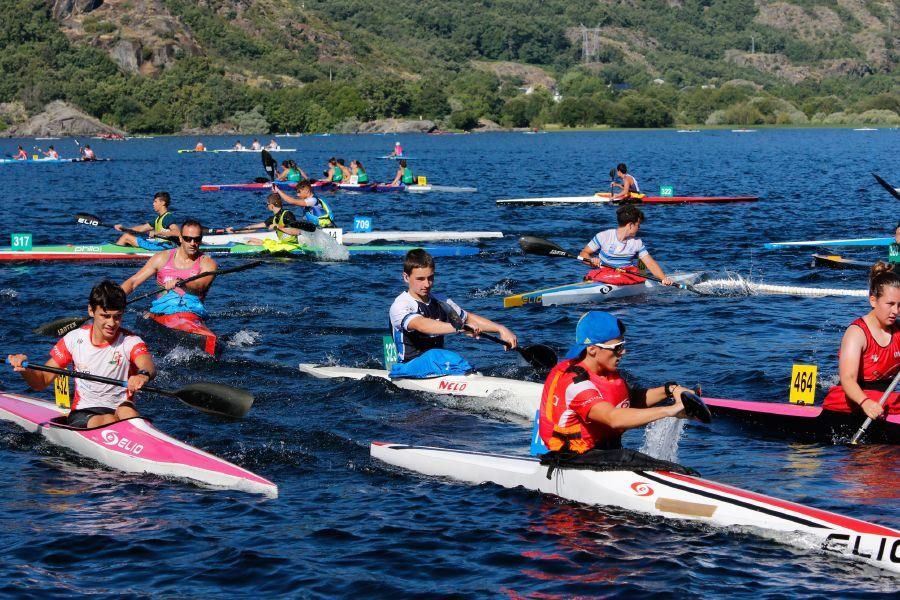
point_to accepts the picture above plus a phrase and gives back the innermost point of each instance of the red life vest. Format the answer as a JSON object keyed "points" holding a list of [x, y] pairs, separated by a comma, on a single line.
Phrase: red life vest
{"points": [[877, 366], [570, 392]]}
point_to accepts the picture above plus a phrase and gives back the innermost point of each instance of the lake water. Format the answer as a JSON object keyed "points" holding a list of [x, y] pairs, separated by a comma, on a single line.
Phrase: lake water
{"points": [[347, 525]]}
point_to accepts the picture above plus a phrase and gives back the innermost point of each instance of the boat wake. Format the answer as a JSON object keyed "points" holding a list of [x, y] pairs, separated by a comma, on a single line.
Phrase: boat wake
{"points": [[327, 246], [736, 285]]}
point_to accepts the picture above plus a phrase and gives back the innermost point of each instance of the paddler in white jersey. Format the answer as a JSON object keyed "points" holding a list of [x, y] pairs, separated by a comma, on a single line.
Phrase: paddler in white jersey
{"points": [[628, 186], [100, 348], [619, 249], [162, 233], [172, 266], [420, 320]]}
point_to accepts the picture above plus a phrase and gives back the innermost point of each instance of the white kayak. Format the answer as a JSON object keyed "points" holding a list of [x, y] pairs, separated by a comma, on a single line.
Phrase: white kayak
{"points": [[665, 494], [592, 291], [508, 395], [368, 237], [133, 446], [231, 150]]}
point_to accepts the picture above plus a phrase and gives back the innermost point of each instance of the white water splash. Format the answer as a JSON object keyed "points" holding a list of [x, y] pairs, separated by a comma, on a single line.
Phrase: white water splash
{"points": [[8, 293], [327, 245], [734, 284], [180, 355], [244, 338], [500, 289], [661, 438]]}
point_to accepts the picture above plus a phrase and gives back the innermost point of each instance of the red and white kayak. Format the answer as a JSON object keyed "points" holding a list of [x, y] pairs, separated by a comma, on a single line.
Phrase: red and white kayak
{"points": [[192, 329], [662, 493], [604, 198], [133, 446]]}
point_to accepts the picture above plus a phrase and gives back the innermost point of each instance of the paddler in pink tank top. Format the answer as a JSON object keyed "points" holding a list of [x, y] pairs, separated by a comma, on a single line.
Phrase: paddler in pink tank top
{"points": [[869, 357], [172, 266]]}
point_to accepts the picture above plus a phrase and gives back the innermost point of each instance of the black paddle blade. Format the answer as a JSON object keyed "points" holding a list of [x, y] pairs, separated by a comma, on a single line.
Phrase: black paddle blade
{"points": [[695, 408], [261, 180], [539, 356], [60, 327], [88, 219], [216, 398], [535, 245], [269, 164], [891, 190]]}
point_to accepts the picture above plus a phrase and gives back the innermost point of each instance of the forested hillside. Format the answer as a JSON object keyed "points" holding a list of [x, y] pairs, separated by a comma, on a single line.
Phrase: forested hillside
{"points": [[315, 65]]}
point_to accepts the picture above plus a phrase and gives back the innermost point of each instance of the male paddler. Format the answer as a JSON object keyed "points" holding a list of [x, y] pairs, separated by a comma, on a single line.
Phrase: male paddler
{"points": [[315, 210], [421, 319], [99, 347], [404, 175], [282, 222], [628, 186], [20, 154], [586, 404], [618, 250], [173, 266], [162, 234], [52, 153]]}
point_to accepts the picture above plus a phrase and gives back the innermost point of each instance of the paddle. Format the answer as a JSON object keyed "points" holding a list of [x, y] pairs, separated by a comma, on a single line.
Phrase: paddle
{"points": [[891, 190], [542, 247], [855, 439], [539, 356], [94, 221], [60, 327], [208, 397], [695, 408], [269, 164]]}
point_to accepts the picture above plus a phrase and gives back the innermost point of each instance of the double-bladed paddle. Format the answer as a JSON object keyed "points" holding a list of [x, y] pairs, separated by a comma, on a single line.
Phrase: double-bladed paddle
{"points": [[695, 407], [60, 327], [269, 165], [95, 221], [539, 356], [887, 393], [542, 247], [891, 189], [208, 397]]}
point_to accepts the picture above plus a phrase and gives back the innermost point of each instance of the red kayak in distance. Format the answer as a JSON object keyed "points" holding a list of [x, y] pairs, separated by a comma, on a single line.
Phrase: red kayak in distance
{"points": [[805, 423], [191, 328]]}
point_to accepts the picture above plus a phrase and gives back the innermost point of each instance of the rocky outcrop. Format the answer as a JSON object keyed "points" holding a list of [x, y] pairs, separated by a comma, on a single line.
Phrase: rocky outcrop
{"points": [[62, 9], [397, 126], [60, 119], [488, 125]]}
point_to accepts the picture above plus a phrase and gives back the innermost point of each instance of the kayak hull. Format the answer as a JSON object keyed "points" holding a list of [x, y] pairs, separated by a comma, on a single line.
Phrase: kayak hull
{"points": [[839, 262], [383, 188], [663, 494], [804, 423], [856, 242], [603, 198], [191, 329], [590, 291], [350, 237], [133, 446], [521, 398]]}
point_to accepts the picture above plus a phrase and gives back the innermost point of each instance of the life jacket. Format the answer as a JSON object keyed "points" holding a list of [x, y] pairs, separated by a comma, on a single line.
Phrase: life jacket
{"points": [[408, 176], [279, 221], [894, 253], [361, 176], [337, 175], [158, 223], [293, 175], [319, 214]]}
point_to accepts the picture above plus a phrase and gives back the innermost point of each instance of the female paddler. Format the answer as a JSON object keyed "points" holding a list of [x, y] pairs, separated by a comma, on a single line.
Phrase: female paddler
{"points": [[869, 357]]}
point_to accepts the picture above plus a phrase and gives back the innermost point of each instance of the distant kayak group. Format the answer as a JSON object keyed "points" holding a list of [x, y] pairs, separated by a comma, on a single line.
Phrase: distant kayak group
{"points": [[51, 155]]}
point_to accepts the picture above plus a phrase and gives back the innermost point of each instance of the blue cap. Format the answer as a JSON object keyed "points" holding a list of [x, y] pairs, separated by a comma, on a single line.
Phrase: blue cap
{"points": [[595, 327]]}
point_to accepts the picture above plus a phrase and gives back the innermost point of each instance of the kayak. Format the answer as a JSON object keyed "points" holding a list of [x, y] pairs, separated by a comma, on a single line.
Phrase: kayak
{"points": [[133, 446], [343, 187], [603, 198], [111, 252], [805, 423], [508, 395], [231, 150], [865, 242], [52, 161], [368, 237], [389, 157], [255, 186], [591, 291], [191, 328], [662, 494], [839, 262]]}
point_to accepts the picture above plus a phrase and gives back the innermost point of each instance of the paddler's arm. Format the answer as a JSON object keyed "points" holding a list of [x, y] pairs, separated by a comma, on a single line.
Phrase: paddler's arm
{"points": [[144, 362], [480, 323], [139, 228], [295, 201], [629, 418], [853, 345], [654, 268], [586, 254], [645, 398], [430, 326], [172, 233], [397, 177], [198, 287], [156, 262], [260, 225], [36, 380]]}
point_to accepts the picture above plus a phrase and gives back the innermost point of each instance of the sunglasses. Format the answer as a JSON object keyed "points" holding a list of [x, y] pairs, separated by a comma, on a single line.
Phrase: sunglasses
{"points": [[192, 238], [618, 348]]}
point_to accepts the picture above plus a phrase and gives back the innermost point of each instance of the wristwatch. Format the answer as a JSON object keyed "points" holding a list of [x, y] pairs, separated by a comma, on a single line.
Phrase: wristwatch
{"points": [[145, 373], [669, 387]]}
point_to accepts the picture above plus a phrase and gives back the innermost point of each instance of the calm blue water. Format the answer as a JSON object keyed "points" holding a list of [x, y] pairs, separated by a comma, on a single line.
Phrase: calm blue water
{"points": [[345, 524]]}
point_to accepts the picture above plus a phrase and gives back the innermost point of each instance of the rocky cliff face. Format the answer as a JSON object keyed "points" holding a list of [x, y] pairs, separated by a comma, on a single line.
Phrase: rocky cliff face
{"points": [[139, 35], [60, 119]]}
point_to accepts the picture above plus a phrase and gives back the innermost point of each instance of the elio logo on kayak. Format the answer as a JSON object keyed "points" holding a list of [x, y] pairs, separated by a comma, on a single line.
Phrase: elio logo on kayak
{"points": [[452, 386], [642, 488], [111, 438], [879, 548]]}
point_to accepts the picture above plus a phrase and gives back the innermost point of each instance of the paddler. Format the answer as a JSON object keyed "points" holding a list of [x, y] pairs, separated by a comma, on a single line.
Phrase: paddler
{"points": [[162, 234], [100, 347], [397, 151], [627, 188], [273, 145], [358, 173], [172, 266], [869, 357], [255, 145], [51, 153], [404, 175], [894, 249], [618, 250], [334, 173], [20, 154], [291, 172], [238, 146], [586, 404], [421, 319], [199, 147], [282, 222], [87, 154], [315, 210]]}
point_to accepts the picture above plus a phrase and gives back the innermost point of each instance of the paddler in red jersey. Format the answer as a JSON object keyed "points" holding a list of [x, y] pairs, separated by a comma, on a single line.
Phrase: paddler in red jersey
{"points": [[587, 405], [869, 357], [99, 348], [171, 267], [21, 154]]}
